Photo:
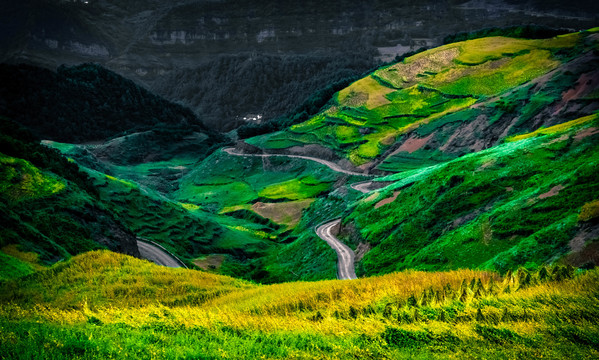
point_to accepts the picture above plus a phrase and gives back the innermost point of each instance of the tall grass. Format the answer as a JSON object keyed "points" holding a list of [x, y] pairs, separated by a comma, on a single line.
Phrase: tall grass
{"points": [[112, 306]]}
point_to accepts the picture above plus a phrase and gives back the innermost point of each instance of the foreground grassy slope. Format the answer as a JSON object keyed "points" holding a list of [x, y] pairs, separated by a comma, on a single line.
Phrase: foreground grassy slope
{"points": [[105, 305], [428, 107], [49, 207], [529, 201]]}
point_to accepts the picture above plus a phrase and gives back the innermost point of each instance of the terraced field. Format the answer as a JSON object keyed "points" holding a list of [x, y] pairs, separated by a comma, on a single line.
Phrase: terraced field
{"points": [[378, 116]]}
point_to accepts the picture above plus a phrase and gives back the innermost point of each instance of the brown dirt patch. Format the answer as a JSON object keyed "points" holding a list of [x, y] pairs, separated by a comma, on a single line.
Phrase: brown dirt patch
{"points": [[387, 200], [283, 213], [561, 138], [554, 191], [585, 84], [467, 135], [434, 63], [366, 167], [210, 262], [509, 189], [413, 144], [586, 133], [507, 129]]}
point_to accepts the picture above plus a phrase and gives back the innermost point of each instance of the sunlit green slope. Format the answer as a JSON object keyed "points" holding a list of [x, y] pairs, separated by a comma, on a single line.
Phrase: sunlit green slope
{"points": [[48, 207], [111, 306], [452, 100], [530, 201], [493, 142]]}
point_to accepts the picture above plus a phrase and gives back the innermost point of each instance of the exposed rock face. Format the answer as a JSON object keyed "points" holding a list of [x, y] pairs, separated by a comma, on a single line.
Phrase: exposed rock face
{"points": [[175, 48]]}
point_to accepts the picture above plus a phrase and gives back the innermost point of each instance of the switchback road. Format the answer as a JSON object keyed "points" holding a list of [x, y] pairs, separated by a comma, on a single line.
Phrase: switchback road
{"points": [[345, 255], [362, 187]]}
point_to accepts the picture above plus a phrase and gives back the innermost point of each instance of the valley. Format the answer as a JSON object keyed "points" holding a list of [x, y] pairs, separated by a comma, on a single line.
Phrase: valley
{"points": [[444, 205]]}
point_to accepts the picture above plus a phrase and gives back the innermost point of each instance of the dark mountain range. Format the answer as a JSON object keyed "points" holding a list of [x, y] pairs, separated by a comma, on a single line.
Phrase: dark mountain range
{"points": [[200, 52]]}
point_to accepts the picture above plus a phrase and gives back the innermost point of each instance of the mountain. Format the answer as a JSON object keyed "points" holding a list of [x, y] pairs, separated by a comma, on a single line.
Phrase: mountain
{"points": [[199, 52], [421, 109], [459, 183], [422, 128], [492, 142], [86, 103]]}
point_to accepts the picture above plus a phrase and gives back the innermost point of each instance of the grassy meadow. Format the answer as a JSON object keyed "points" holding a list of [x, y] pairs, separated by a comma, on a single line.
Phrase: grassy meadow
{"points": [[106, 305]]}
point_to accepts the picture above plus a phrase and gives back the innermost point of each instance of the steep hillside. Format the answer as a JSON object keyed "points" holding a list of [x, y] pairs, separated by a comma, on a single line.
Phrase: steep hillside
{"points": [[452, 100], [225, 213], [87, 103], [530, 201], [51, 209], [463, 178], [106, 305], [47, 206], [453, 204]]}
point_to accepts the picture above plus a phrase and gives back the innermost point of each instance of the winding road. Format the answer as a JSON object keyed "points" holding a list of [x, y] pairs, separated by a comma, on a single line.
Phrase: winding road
{"points": [[158, 255], [331, 165], [345, 255], [363, 186]]}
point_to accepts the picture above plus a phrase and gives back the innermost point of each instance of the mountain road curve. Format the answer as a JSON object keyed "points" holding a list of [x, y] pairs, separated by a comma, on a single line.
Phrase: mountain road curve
{"points": [[363, 186], [345, 255], [331, 165], [158, 255]]}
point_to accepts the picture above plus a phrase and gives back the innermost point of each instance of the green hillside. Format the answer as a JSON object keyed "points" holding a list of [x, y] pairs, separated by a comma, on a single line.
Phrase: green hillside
{"points": [[492, 143], [106, 305], [465, 179], [52, 209], [527, 202], [48, 207], [451, 100]]}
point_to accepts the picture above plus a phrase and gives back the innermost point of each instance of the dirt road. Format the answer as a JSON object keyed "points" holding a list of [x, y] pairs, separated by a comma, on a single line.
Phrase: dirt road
{"points": [[362, 187], [345, 255], [331, 165]]}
